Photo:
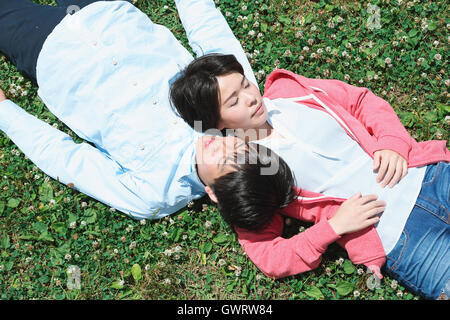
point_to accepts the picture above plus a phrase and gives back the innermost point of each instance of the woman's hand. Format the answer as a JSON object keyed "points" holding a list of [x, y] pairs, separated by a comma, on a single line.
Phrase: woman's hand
{"points": [[392, 167], [357, 213], [2, 95]]}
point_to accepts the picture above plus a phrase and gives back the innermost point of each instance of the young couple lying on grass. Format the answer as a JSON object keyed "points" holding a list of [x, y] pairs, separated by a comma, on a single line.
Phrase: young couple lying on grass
{"points": [[317, 150]]}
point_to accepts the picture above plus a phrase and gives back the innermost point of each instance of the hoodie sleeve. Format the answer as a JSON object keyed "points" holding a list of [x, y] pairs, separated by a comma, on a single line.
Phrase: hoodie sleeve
{"points": [[374, 113], [278, 257]]}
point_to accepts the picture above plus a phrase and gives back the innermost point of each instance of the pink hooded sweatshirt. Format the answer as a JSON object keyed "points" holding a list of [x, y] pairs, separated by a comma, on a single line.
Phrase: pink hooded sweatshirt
{"points": [[376, 126]]}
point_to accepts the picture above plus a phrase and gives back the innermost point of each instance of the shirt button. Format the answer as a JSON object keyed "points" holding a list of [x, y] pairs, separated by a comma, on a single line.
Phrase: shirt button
{"points": [[141, 147], [94, 43], [135, 83], [114, 62], [174, 121], [154, 101]]}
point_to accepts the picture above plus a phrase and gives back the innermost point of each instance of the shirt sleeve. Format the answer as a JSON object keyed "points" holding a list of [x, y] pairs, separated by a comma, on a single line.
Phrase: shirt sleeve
{"points": [[208, 32], [278, 257], [89, 170]]}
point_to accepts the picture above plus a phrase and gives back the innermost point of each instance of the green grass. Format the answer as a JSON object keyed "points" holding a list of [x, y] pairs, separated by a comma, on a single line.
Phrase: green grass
{"points": [[45, 226]]}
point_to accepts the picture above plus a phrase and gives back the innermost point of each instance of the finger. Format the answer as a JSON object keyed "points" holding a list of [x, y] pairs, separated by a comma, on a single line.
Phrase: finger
{"points": [[374, 205], [397, 175], [372, 213], [355, 196], [367, 198], [389, 174], [376, 161], [405, 169], [383, 167], [370, 222]]}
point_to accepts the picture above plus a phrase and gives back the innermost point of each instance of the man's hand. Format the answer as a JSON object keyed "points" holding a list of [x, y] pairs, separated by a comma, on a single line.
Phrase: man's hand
{"points": [[392, 167], [2, 95]]}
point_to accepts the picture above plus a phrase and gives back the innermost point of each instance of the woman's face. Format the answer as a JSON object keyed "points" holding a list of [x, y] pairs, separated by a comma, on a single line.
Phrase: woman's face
{"points": [[241, 104]]}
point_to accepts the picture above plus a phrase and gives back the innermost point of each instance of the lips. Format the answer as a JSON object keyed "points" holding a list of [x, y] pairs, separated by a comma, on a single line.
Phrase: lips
{"points": [[258, 110], [209, 141]]}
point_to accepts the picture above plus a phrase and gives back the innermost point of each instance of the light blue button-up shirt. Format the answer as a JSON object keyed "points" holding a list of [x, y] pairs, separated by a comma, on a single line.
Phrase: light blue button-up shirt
{"points": [[105, 72]]}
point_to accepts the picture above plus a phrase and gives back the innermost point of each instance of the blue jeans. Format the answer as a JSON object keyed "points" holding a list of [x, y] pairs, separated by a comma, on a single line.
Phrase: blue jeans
{"points": [[421, 258]]}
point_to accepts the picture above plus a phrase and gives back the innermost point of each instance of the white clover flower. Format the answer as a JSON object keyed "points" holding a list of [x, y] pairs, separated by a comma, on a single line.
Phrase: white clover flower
{"points": [[112, 209], [72, 225], [319, 51], [313, 28], [347, 77], [83, 223], [147, 267], [437, 56], [435, 43], [299, 34], [399, 293], [360, 271], [67, 257], [52, 202], [208, 224], [132, 245], [164, 234], [305, 48], [260, 35], [251, 33], [221, 262], [447, 119], [177, 249], [168, 252], [313, 55], [387, 60], [328, 49], [244, 7], [310, 41], [166, 281], [394, 284], [143, 222], [116, 251], [121, 282], [95, 244], [228, 13], [287, 53]]}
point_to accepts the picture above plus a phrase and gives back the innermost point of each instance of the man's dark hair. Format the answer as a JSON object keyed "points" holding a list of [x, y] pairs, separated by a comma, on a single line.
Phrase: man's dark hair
{"points": [[248, 198], [195, 94]]}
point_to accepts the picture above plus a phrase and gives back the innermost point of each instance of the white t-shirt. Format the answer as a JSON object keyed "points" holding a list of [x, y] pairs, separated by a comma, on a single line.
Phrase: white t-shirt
{"points": [[325, 159]]}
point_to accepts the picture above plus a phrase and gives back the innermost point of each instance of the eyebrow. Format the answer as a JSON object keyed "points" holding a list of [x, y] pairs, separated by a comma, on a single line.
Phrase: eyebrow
{"points": [[234, 92]]}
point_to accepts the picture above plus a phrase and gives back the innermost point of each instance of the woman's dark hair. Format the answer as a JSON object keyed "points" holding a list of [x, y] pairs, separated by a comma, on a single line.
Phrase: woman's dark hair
{"points": [[195, 94], [250, 196]]}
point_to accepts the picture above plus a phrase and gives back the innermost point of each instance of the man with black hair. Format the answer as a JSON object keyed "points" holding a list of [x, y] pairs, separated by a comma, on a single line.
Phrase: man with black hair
{"points": [[104, 69]]}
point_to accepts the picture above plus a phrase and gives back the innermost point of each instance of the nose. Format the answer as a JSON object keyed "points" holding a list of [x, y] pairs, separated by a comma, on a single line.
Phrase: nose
{"points": [[250, 99]]}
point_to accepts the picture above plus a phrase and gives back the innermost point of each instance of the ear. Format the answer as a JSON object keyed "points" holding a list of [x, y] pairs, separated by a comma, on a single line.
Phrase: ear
{"points": [[211, 194]]}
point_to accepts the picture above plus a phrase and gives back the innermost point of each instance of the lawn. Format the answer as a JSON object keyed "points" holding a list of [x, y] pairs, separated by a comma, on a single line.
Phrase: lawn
{"points": [[398, 49]]}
